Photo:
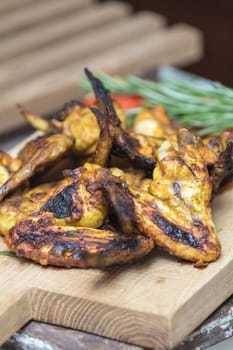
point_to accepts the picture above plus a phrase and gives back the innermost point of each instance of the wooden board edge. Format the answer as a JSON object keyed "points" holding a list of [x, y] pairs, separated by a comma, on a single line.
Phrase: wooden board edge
{"points": [[14, 314], [115, 323], [201, 300]]}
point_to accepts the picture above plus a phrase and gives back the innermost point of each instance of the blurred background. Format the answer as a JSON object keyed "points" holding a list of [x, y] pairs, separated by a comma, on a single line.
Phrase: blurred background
{"points": [[215, 19], [45, 45]]}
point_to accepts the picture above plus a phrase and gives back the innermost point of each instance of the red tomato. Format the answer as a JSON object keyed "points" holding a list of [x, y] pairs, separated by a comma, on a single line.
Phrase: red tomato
{"points": [[125, 101], [227, 132]]}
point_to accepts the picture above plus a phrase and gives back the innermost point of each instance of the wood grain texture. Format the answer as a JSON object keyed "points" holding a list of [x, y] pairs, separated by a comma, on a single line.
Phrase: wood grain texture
{"points": [[99, 318], [218, 327]]}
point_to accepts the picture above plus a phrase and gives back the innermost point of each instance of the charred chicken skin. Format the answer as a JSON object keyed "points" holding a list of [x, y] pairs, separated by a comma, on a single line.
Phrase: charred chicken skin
{"points": [[179, 218], [73, 246], [175, 210], [81, 124], [60, 224], [62, 203]]}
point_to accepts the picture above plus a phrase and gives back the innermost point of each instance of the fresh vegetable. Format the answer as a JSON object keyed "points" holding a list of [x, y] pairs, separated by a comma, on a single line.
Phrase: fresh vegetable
{"points": [[125, 101], [205, 107]]}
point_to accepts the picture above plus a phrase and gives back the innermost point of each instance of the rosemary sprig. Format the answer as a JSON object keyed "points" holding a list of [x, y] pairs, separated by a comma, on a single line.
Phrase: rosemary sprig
{"points": [[7, 253], [208, 107]]}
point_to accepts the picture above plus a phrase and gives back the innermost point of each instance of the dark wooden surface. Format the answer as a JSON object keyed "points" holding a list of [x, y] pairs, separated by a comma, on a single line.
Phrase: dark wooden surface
{"points": [[40, 336]]}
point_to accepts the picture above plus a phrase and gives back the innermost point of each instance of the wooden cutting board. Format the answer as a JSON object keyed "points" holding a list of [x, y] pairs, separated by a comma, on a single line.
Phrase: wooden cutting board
{"points": [[153, 303]]}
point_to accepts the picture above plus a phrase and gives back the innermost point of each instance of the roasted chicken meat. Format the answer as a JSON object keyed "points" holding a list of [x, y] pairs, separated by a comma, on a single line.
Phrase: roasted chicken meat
{"points": [[133, 189]]}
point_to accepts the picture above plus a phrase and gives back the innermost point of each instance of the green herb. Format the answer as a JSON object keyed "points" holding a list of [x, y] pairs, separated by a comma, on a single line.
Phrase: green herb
{"points": [[209, 108], [7, 253], [219, 230]]}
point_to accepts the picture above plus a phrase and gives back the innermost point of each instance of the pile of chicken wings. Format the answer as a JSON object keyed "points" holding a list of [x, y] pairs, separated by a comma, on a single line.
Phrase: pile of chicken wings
{"points": [[89, 192]]}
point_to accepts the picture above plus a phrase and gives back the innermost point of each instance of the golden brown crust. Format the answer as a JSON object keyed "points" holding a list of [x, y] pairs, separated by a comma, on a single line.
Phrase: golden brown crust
{"points": [[175, 211]]}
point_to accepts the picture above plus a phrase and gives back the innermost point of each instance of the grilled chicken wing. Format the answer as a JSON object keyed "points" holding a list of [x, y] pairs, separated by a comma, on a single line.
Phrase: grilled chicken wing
{"points": [[65, 202], [57, 224], [176, 211], [34, 156], [82, 125], [113, 137], [74, 120], [182, 190], [73, 246], [19, 206]]}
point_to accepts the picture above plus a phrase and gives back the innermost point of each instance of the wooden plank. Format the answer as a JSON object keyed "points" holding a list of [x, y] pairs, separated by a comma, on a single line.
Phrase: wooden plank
{"points": [[6, 6], [180, 44], [37, 12], [76, 48], [60, 28], [140, 304]]}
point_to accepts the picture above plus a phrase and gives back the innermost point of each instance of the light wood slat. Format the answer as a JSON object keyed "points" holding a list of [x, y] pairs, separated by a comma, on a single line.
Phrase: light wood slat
{"points": [[74, 49], [60, 28], [6, 6], [179, 44], [37, 12]]}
